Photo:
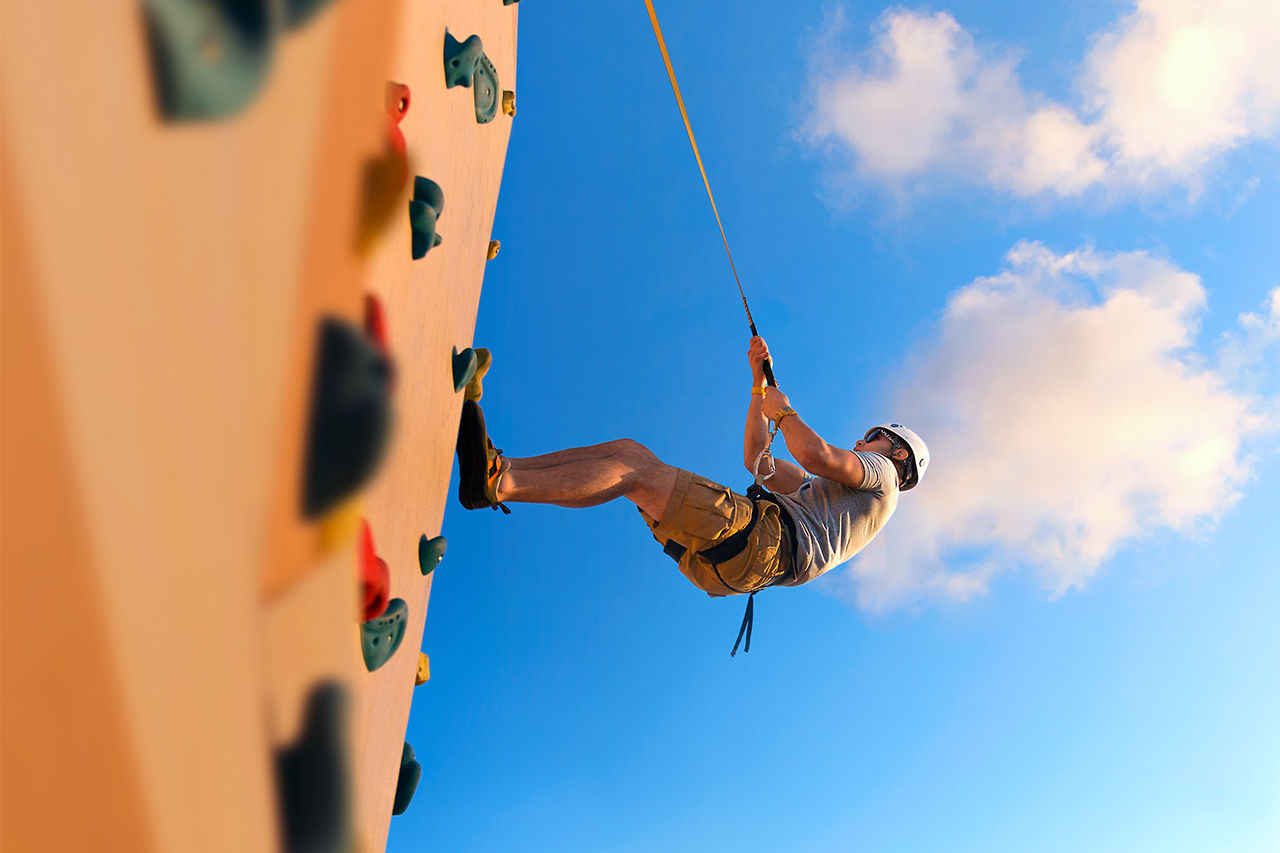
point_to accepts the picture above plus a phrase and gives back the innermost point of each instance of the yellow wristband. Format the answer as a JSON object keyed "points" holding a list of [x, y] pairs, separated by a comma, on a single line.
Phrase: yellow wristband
{"points": [[758, 390], [782, 413]]}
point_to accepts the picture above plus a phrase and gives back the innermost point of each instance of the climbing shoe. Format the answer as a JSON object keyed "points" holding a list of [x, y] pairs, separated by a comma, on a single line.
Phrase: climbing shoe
{"points": [[480, 465]]}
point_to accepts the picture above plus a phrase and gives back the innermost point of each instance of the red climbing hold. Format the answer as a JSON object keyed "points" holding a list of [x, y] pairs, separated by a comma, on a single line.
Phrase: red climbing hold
{"points": [[397, 106], [375, 577]]}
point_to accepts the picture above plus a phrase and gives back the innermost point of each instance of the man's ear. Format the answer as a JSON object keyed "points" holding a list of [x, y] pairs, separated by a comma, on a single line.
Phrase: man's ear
{"points": [[900, 455]]}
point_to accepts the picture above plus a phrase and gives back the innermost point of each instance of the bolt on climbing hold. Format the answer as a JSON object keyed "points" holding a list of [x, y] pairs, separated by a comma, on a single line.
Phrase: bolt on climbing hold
{"points": [[375, 577], [509, 102], [350, 419], [464, 367], [494, 248], [465, 64], [424, 670], [424, 210], [208, 59], [313, 777], [430, 553], [381, 637], [475, 390], [407, 782]]}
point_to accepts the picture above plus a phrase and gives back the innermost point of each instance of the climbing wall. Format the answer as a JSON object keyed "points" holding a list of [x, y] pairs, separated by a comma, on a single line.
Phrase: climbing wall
{"points": [[203, 411]]}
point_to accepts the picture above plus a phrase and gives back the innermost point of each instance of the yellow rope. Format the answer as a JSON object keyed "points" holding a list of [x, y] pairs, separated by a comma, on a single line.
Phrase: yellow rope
{"points": [[675, 87]]}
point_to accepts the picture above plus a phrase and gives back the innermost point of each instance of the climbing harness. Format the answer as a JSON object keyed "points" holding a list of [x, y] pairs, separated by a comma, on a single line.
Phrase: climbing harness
{"points": [[734, 545]]}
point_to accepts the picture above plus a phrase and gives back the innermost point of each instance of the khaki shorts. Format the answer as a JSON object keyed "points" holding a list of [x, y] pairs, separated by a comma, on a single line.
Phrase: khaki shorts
{"points": [[703, 514]]}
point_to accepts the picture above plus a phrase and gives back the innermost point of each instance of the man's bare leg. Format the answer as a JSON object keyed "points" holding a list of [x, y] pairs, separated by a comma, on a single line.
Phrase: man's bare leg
{"points": [[588, 476]]}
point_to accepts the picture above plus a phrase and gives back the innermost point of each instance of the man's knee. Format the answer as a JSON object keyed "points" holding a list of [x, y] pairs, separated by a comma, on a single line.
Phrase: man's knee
{"points": [[634, 453]]}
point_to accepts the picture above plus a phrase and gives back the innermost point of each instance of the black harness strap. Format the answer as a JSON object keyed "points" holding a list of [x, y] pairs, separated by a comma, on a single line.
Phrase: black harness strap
{"points": [[732, 547]]}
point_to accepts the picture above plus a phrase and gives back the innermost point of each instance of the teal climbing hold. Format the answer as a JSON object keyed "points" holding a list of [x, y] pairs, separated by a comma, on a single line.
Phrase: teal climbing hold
{"points": [[464, 367], [379, 638], [460, 59], [430, 553], [407, 783], [510, 2], [425, 210], [209, 57], [465, 64]]}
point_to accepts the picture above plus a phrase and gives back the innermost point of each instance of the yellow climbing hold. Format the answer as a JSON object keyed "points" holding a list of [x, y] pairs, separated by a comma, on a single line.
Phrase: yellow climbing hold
{"points": [[474, 389], [424, 669], [509, 102], [339, 526], [494, 246]]}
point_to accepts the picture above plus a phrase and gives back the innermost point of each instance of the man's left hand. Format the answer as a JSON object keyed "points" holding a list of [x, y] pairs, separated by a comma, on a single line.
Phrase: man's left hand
{"points": [[774, 402]]}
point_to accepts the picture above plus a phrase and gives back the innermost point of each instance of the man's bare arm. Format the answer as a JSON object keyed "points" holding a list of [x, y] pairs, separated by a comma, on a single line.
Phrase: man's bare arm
{"points": [[809, 449]]}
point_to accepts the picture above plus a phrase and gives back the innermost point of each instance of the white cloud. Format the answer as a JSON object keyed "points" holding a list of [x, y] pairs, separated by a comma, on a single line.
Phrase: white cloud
{"points": [[1170, 87], [1068, 414]]}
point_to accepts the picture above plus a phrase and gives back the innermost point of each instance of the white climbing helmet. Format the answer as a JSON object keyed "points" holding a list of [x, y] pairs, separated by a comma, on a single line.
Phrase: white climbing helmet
{"points": [[918, 458]]}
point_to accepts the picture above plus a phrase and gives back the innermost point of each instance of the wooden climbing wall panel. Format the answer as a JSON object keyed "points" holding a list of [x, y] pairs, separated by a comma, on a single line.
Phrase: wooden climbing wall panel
{"points": [[166, 610]]}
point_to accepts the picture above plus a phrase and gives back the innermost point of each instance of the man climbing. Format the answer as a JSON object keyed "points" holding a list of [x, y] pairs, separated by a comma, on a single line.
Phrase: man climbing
{"points": [[815, 516]]}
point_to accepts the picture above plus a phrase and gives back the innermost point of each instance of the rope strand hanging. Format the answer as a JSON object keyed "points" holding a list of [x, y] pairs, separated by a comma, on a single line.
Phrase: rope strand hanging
{"points": [[675, 87]]}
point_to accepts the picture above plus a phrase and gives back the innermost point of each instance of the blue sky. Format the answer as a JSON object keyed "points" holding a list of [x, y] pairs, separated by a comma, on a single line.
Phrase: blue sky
{"points": [[977, 216]]}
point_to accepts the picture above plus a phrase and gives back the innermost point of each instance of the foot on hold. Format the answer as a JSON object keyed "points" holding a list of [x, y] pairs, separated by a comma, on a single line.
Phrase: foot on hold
{"points": [[313, 778], [424, 670], [375, 577], [480, 465], [209, 59], [407, 783], [464, 367], [430, 553], [484, 359], [379, 638], [466, 65], [350, 416], [424, 210]]}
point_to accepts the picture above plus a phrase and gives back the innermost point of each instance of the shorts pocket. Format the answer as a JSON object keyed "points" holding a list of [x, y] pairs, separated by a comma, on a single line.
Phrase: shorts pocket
{"points": [[712, 511]]}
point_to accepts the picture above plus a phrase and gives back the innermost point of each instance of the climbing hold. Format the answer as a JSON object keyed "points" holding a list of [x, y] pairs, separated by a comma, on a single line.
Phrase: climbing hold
{"points": [[350, 417], [209, 59], [407, 783], [313, 781], [397, 104], [460, 59], [424, 670], [486, 89], [375, 322], [339, 526], [509, 102], [424, 210], [510, 2], [465, 64], [464, 367], [299, 12], [379, 638], [484, 359], [385, 176], [375, 577], [494, 247], [430, 553]]}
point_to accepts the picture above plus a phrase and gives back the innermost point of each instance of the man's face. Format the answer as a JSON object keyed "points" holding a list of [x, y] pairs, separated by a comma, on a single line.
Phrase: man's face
{"points": [[878, 441]]}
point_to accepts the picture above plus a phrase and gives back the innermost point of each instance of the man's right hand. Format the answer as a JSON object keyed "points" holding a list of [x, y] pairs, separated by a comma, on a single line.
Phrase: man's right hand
{"points": [[757, 355]]}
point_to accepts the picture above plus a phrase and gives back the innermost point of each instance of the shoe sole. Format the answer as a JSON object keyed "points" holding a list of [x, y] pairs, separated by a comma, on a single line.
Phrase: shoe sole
{"points": [[473, 457]]}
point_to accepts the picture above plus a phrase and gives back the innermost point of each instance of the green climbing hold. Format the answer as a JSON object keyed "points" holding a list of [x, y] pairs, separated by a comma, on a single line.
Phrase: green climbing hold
{"points": [[209, 59], [465, 64], [430, 553], [464, 367], [407, 783], [314, 784], [424, 210], [379, 638], [510, 2]]}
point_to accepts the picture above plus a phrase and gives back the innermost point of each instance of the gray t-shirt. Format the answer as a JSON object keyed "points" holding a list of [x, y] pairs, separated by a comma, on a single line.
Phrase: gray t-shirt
{"points": [[834, 521]]}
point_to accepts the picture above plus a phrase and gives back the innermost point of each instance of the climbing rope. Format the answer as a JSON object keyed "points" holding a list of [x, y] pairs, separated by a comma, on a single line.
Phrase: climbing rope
{"points": [[675, 87], [748, 617]]}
